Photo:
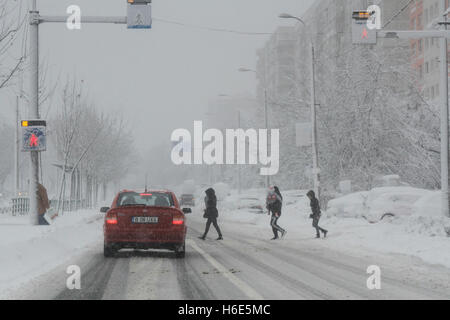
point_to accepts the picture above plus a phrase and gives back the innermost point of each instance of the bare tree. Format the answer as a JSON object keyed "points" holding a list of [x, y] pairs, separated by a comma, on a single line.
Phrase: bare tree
{"points": [[11, 23]]}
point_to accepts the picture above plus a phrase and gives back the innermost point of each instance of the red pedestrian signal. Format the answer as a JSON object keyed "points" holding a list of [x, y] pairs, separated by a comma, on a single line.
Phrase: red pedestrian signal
{"points": [[365, 35], [34, 141]]}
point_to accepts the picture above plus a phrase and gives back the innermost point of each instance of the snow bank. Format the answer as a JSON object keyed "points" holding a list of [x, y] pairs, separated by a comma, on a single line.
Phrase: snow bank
{"points": [[373, 204], [28, 251]]}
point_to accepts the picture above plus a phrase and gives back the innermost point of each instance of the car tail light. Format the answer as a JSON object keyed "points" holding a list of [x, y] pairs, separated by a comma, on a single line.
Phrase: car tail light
{"points": [[111, 219], [177, 221]]}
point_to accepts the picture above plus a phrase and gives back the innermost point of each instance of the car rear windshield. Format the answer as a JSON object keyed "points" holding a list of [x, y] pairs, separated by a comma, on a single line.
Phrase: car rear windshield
{"points": [[150, 199]]}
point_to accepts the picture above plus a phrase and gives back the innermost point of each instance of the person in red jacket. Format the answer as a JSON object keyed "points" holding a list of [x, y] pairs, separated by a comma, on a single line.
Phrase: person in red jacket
{"points": [[274, 202]]}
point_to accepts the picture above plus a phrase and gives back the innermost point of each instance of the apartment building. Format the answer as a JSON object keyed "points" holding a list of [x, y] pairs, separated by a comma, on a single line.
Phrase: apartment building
{"points": [[425, 52]]}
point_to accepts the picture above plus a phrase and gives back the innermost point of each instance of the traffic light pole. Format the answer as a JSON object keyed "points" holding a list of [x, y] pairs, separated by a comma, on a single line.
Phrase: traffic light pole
{"points": [[34, 109], [35, 20], [444, 117], [443, 35]]}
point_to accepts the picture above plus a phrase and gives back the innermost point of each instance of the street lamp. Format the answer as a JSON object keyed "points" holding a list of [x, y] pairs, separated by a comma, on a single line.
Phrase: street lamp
{"points": [[242, 69], [239, 178], [316, 170]]}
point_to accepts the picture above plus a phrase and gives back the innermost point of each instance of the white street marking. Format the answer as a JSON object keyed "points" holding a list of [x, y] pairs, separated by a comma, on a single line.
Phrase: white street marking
{"points": [[244, 287]]}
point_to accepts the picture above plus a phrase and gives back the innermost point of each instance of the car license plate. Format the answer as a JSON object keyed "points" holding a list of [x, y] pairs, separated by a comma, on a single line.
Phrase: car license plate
{"points": [[144, 220]]}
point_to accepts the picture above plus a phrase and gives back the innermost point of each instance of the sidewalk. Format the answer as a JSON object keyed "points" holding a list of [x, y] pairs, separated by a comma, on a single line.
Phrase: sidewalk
{"points": [[28, 251]]}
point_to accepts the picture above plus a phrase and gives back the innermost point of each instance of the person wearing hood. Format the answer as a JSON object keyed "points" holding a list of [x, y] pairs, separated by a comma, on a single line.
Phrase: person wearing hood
{"points": [[211, 213], [316, 213], [274, 202]]}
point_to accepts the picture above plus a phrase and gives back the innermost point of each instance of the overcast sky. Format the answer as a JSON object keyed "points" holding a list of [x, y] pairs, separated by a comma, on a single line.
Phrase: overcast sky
{"points": [[161, 79]]}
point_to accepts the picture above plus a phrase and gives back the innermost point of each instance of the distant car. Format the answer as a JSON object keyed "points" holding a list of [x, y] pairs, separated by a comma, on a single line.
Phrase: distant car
{"points": [[187, 200], [146, 220], [252, 204]]}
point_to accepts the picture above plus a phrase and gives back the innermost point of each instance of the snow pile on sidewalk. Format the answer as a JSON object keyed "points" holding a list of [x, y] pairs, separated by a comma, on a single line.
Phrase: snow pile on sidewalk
{"points": [[373, 204], [28, 251], [416, 210]]}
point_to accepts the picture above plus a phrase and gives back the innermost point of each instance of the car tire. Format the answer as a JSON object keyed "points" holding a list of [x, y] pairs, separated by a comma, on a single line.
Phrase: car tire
{"points": [[180, 252], [108, 251]]}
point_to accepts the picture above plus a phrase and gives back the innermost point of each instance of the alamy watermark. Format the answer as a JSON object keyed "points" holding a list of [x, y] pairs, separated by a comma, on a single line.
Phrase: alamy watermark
{"points": [[231, 149], [374, 281], [74, 280]]}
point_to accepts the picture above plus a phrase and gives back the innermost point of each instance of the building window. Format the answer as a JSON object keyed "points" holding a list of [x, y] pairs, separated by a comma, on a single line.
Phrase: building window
{"points": [[419, 44], [427, 68]]}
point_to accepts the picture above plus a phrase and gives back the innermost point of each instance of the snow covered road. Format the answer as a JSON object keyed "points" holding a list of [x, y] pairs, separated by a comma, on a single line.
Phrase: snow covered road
{"points": [[243, 266]]}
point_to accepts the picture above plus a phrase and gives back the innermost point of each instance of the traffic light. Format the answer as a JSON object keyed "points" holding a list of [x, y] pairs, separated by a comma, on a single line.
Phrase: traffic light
{"points": [[361, 33], [139, 14], [34, 135], [361, 15]]}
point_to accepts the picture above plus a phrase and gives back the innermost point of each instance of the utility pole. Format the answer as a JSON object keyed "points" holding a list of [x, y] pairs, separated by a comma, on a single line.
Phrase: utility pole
{"points": [[315, 151], [266, 116], [34, 108], [444, 116], [266, 111], [239, 166], [315, 148], [17, 152]]}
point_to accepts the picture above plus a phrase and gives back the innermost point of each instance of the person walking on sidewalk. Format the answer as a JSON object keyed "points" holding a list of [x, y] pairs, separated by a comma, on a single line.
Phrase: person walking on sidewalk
{"points": [[274, 202], [316, 213], [43, 204], [211, 213]]}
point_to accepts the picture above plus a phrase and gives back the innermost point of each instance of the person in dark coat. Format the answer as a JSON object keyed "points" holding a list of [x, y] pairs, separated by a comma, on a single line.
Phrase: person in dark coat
{"points": [[316, 213], [211, 213], [274, 203], [43, 204]]}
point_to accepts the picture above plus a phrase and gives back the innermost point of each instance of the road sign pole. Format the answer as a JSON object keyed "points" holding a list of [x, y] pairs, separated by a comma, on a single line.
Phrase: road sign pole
{"points": [[34, 109]]}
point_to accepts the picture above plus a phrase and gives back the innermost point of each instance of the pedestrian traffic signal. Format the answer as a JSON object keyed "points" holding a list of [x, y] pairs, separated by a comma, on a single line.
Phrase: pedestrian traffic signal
{"points": [[34, 135], [361, 33]]}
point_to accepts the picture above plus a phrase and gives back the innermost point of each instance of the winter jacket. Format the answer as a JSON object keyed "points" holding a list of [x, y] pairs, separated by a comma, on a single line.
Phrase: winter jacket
{"points": [[211, 204], [274, 203], [315, 207], [43, 203]]}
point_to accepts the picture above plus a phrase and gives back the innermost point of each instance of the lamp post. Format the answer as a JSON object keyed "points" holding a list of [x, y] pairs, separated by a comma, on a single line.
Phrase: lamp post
{"points": [[266, 116], [315, 151]]}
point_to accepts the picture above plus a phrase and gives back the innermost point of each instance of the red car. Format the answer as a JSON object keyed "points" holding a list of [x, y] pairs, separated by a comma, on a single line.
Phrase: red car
{"points": [[148, 220]]}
